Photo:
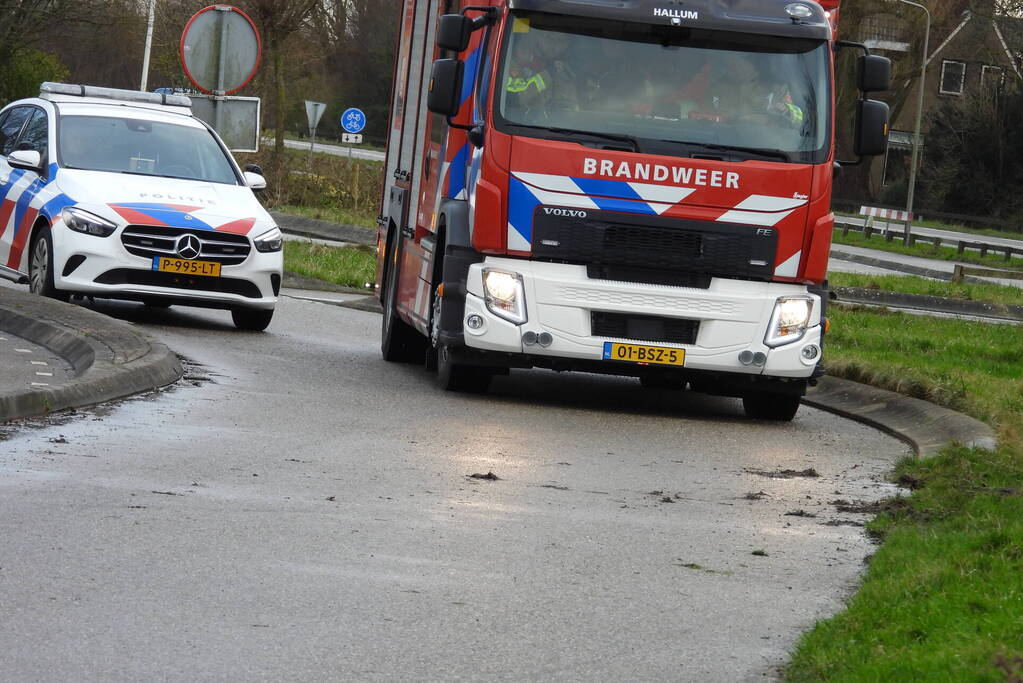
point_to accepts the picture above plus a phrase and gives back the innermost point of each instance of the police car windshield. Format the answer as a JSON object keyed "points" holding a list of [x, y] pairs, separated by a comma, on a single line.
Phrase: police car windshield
{"points": [[142, 147], [676, 91]]}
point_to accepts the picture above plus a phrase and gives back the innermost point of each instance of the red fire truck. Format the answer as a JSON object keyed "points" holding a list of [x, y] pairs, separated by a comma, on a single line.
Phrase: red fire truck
{"points": [[637, 188]]}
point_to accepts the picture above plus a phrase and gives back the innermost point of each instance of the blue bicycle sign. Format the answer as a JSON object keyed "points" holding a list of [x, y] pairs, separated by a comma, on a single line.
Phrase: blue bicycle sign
{"points": [[353, 120]]}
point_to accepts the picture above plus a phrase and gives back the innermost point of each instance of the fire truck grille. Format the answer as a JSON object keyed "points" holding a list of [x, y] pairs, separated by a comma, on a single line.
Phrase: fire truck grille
{"points": [[655, 244], [150, 240], [648, 328]]}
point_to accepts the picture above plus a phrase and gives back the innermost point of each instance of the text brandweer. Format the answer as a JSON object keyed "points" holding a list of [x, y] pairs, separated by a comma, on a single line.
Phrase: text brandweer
{"points": [[680, 175]]}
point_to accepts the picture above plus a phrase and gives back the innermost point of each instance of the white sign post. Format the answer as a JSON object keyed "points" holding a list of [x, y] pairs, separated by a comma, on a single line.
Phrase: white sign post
{"points": [[313, 112]]}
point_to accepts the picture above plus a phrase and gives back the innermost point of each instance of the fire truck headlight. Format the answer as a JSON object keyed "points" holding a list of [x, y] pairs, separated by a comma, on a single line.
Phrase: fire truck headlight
{"points": [[505, 295], [789, 321]]}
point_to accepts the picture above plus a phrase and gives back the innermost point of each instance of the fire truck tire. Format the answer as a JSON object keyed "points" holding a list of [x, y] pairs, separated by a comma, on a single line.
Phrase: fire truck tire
{"points": [[452, 376], [779, 407], [399, 342]]}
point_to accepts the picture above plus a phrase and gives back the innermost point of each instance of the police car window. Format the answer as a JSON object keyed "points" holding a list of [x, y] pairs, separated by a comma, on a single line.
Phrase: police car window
{"points": [[35, 134], [142, 147], [11, 126], [672, 90]]}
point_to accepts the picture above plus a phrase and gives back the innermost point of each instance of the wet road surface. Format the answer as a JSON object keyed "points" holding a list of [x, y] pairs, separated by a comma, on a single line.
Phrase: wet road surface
{"points": [[297, 509]]}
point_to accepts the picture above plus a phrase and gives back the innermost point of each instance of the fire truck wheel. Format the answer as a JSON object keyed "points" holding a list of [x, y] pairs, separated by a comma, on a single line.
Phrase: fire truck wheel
{"points": [[662, 382], [452, 376], [399, 342], [778, 407]]}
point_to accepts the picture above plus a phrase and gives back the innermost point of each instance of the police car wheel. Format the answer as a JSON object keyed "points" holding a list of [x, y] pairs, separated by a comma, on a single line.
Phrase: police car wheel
{"points": [[779, 407], [254, 320], [40, 267]]}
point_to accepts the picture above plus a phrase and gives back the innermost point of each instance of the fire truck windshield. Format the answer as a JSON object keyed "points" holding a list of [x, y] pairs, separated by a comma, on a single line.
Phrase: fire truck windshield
{"points": [[673, 91]]}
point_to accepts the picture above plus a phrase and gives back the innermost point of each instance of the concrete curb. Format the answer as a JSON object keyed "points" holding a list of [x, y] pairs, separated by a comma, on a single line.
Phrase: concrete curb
{"points": [[877, 297], [837, 253], [926, 427], [324, 230], [110, 359]]}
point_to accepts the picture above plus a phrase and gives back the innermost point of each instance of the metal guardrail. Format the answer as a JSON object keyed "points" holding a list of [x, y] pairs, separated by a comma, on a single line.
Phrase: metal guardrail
{"points": [[960, 273], [960, 245]]}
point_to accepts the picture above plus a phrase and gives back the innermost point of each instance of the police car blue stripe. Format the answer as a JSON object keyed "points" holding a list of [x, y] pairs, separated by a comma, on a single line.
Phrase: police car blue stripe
{"points": [[168, 216]]}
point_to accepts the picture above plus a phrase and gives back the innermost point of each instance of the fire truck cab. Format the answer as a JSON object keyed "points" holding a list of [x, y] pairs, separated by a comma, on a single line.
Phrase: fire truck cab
{"points": [[635, 188]]}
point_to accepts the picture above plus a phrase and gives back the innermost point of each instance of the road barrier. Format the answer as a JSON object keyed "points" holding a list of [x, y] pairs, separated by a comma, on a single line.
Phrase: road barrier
{"points": [[868, 229], [960, 272]]}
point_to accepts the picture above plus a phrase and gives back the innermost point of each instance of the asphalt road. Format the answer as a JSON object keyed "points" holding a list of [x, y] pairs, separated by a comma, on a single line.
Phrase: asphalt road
{"points": [[297, 509]]}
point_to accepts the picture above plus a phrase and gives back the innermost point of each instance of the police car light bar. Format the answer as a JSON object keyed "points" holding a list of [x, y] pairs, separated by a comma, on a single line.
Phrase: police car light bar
{"points": [[113, 94]]}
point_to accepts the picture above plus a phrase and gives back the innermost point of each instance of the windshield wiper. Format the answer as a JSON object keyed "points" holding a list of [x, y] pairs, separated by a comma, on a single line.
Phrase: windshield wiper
{"points": [[573, 133], [752, 151]]}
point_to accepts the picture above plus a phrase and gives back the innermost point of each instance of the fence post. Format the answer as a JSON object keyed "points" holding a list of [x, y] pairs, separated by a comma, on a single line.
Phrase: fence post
{"points": [[957, 273], [1008, 253], [983, 250], [937, 242], [961, 248], [912, 240]]}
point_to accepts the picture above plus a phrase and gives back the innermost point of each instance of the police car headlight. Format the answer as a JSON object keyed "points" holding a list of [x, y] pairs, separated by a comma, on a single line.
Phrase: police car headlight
{"points": [[87, 223], [789, 321], [271, 240], [505, 295]]}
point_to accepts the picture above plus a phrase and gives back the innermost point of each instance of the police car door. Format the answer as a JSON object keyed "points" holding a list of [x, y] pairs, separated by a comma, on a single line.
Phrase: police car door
{"points": [[12, 184]]}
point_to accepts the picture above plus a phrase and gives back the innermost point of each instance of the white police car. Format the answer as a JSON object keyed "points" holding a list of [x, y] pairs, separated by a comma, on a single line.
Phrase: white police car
{"points": [[123, 194]]}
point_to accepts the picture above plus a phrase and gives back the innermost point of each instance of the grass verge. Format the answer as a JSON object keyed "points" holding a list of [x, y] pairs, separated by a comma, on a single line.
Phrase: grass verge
{"points": [[928, 250], [943, 596], [999, 294], [347, 266], [334, 214]]}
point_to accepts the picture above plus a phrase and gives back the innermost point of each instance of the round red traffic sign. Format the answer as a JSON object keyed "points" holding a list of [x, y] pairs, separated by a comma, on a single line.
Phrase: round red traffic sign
{"points": [[220, 49]]}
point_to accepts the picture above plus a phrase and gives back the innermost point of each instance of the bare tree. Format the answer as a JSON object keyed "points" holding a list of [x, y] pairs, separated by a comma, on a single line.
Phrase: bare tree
{"points": [[277, 20]]}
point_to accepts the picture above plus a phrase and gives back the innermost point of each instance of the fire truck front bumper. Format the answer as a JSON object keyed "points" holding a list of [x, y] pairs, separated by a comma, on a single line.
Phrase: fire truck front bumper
{"points": [[552, 311]]}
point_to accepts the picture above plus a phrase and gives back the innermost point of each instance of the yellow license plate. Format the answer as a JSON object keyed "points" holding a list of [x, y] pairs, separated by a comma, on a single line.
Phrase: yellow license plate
{"points": [[184, 266], [640, 353]]}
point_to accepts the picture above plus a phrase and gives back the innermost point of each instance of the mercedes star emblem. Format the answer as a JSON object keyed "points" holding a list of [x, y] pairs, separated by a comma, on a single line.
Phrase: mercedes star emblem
{"points": [[188, 246]]}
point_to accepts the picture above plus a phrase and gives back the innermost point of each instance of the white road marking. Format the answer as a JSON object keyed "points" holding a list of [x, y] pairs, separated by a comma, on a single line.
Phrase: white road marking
{"points": [[23, 350], [38, 362], [40, 384], [45, 374]]}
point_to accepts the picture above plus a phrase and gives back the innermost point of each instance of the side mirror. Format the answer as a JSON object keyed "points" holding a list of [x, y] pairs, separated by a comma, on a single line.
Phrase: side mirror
{"points": [[873, 73], [254, 180], [446, 87], [454, 32], [254, 168], [27, 159], [871, 128]]}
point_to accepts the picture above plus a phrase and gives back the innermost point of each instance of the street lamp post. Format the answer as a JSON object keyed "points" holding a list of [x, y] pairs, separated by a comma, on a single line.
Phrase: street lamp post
{"points": [[917, 142], [149, 46]]}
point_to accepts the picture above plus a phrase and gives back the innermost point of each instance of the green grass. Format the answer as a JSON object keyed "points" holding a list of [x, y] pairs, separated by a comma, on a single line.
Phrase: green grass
{"points": [[334, 214], [928, 250], [942, 599], [347, 266], [1000, 294]]}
